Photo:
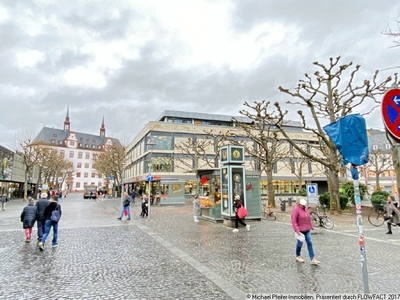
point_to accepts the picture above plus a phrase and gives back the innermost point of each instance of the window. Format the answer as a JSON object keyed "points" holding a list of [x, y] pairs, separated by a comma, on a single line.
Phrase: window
{"points": [[78, 174], [60, 142], [86, 165], [387, 146], [78, 185], [93, 175], [87, 155], [80, 155], [375, 147], [53, 141], [71, 154], [79, 165], [85, 174], [72, 143], [62, 153]]}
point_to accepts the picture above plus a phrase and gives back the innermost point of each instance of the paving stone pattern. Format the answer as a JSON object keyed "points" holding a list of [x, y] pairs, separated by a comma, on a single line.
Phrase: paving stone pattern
{"points": [[171, 257]]}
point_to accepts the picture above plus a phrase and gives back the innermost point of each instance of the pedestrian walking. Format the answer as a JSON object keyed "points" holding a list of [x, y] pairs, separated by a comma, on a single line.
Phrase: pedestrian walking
{"points": [[391, 214], [302, 226], [236, 205], [51, 222], [196, 208], [145, 209], [4, 200], [126, 207], [133, 197], [41, 205], [28, 219]]}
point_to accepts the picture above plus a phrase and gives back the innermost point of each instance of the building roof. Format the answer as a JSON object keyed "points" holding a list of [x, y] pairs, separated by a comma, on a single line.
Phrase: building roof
{"points": [[47, 134], [213, 117]]}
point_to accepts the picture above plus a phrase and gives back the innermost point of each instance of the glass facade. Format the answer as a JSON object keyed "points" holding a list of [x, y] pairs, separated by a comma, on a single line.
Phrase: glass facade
{"points": [[282, 187]]}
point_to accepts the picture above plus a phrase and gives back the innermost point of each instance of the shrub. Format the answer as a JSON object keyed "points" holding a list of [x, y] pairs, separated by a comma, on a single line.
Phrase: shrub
{"points": [[302, 192], [324, 199], [348, 190], [379, 197]]}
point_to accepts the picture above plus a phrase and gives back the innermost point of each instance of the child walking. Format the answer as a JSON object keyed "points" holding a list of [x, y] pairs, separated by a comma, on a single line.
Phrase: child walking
{"points": [[28, 219]]}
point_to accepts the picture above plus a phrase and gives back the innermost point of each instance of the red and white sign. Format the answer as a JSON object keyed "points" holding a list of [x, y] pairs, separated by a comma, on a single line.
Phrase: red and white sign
{"points": [[391, 112]]}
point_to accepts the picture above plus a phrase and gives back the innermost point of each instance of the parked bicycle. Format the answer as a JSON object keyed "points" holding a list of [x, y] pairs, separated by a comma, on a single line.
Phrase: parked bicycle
{"points": [[377, 216], [268, 214], [321, 220]]}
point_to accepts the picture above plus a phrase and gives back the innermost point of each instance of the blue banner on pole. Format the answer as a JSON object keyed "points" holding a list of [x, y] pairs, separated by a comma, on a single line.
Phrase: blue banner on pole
{"points": [[350, 137]]}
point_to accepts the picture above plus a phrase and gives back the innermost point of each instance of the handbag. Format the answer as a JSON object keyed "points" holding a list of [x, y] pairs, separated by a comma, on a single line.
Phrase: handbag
{"points": [[125, 212], [242, 212], [55, 215]]}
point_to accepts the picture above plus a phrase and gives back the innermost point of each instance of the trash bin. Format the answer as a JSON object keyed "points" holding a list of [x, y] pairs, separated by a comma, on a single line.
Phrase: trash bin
{"points": [[290, 201], [283, 205]]}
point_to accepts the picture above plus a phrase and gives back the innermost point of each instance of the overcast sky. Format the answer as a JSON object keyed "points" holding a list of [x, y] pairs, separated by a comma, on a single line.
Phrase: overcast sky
{"points": [[131, 60]]}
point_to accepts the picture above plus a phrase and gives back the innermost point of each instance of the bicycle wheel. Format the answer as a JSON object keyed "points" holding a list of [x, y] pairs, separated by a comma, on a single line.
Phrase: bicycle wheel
{"points": [[264, 215], [315, 219], [271, 216], [327, 223], [376, 219]]}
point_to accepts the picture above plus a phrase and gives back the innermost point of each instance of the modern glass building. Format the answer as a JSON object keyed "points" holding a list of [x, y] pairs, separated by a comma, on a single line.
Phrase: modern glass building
{"points": [[173, 146]]}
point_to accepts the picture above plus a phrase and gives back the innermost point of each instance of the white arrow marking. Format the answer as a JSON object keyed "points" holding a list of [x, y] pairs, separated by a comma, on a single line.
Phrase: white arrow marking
{"points": [[396, 99]]}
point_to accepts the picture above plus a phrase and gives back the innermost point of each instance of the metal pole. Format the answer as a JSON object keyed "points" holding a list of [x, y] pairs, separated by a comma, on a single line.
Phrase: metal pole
{"points": [[361, 240], [122, 188], [148, 201]]}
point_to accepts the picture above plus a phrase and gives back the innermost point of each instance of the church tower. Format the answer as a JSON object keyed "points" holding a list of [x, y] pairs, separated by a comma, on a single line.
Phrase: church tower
{"points": [[66, 122], [102, 128]]}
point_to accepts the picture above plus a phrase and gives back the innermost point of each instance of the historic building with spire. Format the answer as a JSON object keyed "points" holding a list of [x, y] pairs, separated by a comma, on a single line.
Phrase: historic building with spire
{"points": [[78, 148]]}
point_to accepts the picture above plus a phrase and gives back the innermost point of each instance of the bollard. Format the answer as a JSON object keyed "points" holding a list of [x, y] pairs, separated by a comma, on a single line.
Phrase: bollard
{"points": [[283, 205]]}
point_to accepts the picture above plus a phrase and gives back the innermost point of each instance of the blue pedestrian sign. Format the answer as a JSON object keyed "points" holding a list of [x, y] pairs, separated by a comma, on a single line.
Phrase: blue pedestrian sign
{"points": [[111, 177], [312, 193], [149, 177]]}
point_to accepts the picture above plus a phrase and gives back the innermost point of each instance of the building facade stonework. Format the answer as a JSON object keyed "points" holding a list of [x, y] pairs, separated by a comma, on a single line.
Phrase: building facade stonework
{"points": [[79, 149]]}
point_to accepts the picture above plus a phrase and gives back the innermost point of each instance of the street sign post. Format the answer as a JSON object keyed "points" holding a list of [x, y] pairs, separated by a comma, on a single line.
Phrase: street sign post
{"points": [[149, 178], [391, 112], [312, 193]]}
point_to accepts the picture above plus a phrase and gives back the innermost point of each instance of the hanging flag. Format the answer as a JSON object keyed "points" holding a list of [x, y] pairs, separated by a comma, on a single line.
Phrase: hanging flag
{"points": [[350, 137]]}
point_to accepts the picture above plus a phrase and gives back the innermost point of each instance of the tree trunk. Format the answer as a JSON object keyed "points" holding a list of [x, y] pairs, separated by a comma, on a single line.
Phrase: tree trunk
{"points": [[270, 184], [378, 185]]}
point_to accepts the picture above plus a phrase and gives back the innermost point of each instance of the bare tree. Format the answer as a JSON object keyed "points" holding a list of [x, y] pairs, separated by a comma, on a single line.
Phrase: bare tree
{"points": [[192, 154], [328, 94], [266, 145], [196, 153], [29, 153], [379, 162], [296, 163], [111, 163], [393, 33]]}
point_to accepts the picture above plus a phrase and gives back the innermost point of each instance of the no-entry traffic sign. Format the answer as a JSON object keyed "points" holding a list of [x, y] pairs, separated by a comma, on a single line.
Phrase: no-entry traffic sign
{"points": [[391, 112]]}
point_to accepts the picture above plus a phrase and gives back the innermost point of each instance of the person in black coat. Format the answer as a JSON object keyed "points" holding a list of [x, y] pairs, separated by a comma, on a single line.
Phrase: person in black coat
{"points": [[41, 205], [28, 219]]}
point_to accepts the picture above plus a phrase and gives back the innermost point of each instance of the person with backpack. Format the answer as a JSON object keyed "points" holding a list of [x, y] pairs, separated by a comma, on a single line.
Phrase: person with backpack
{"points": [[52, 215], [126, 207], [28, 219]]}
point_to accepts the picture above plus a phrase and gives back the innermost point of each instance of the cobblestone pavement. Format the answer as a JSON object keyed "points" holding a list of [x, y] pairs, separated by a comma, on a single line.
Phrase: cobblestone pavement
{"points": [[171, 257]]}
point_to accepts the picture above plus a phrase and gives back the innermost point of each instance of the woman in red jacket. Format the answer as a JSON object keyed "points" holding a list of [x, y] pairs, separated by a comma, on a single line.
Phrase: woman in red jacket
{"points": [[302, 225]]}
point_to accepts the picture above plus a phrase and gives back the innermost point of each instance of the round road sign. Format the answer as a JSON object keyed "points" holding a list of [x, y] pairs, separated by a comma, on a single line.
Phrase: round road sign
{"points": [[391, 112]]}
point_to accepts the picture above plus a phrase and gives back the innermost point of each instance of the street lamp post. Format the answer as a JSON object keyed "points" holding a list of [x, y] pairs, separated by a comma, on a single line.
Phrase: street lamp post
{"points": [[149, 144]]}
